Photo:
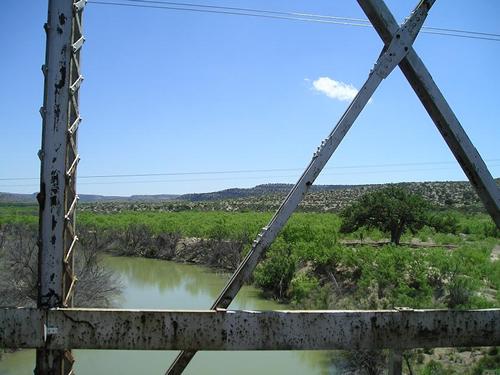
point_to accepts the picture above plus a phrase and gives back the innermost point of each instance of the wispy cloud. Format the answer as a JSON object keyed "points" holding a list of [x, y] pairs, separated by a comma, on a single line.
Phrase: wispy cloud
{"points": [[335, 89]]}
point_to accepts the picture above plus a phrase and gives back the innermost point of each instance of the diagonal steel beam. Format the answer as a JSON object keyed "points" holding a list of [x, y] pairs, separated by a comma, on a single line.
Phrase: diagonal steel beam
{"points": [[400, 44], [439, 110]]}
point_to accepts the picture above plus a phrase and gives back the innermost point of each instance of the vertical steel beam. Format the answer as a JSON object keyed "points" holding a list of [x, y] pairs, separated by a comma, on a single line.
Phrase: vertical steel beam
{"points": [[59, 158], [395, 362], [439, 110]]}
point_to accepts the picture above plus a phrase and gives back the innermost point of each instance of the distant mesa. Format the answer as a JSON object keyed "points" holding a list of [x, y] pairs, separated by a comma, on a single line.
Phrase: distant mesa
{"points": [[268, 196], [89, 198]]}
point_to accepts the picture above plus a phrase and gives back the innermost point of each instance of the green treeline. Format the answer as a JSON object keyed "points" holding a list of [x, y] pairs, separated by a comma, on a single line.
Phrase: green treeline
{"points": [[234, 225], [312, 264]]}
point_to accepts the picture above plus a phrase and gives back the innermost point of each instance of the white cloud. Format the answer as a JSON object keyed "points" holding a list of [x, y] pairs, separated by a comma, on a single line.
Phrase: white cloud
{"points": [[335, 89]]}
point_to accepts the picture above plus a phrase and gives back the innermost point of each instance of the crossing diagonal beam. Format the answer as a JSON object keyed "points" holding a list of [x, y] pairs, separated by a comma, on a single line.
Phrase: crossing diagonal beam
{"points": [[439, 110], [401, 41], [246, 330]]}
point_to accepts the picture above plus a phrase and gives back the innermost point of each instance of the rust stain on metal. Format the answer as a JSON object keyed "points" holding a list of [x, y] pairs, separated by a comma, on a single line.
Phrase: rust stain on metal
{"points": [[249, 330]]}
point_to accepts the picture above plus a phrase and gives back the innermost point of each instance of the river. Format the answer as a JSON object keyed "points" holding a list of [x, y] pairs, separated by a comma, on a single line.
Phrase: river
{"points": [[156, 284]]}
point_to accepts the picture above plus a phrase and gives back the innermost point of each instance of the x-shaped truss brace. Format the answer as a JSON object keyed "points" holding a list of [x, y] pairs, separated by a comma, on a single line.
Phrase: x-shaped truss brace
{"points": [[398, 50]]}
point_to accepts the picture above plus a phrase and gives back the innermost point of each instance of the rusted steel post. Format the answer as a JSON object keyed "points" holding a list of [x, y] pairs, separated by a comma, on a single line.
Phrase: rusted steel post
{"points": [[439, 110], [402, 40], [59, 158]]}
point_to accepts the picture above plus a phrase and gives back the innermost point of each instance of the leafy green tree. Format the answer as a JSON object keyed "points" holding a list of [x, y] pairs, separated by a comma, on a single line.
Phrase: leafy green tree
{"points": [[392, 209], [275, 273], [444, 222]]}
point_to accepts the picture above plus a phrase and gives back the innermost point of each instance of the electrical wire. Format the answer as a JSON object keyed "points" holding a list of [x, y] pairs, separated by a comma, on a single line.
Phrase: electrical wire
{"points": [[458, 31], [231, 13], [299, 14], [241, 171], [282, 15], [272, 14], [243, 178], [267, 11]]}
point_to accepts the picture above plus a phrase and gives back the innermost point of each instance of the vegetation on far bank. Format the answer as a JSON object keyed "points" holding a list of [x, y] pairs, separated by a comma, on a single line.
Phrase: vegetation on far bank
{"points": [[309, 264], [234, 225], [312, 264]]}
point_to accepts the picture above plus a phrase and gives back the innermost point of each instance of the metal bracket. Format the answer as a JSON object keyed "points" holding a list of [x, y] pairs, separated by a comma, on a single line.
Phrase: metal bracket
{"points": [[72, 168], [74, 127], [72, 207], [48, 331], [404, 309], [78, 44], [402, 40], [79, 5], [75, 86]]}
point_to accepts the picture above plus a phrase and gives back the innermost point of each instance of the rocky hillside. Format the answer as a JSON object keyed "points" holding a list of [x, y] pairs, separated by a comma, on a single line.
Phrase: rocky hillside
{"points": [[323, 198], [259, 190], [88, 198]]}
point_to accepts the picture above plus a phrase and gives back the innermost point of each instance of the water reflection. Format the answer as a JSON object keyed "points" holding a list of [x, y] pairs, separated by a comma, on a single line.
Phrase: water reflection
{"points": [[155, 284], [170, 285]]}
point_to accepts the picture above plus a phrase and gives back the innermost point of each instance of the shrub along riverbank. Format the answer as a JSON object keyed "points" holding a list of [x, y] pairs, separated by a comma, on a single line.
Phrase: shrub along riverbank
{"points": [[309, 265]]}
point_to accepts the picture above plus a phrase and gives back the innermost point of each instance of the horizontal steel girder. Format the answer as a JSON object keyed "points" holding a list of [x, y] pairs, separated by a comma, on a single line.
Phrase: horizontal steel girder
{"points": [[246, 330]]}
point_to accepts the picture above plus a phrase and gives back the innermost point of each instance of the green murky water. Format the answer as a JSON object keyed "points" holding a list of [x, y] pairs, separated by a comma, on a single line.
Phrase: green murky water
{"points": [[155, 284]]}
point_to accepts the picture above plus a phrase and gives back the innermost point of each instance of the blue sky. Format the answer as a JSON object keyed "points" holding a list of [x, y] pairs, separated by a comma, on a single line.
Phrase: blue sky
{"points": [[175, 92]]}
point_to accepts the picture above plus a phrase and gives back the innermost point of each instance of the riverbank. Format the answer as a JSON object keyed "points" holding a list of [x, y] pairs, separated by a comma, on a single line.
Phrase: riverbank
{"points": [[312, 265], [158, 284]]}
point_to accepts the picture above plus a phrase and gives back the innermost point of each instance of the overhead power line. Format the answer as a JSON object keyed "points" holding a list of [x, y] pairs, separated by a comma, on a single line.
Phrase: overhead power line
{"points": [[283, 15], [253, 10], [230, 13], [461, 31], [247, 171], [273, 178]]}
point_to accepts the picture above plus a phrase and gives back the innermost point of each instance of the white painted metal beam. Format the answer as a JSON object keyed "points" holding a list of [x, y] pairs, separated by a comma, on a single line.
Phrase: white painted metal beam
{"points": [[55, 114], [59, 159], [246, 330]]}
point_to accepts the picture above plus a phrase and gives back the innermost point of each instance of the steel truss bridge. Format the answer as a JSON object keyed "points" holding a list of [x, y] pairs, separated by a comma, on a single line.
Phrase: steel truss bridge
{"points": [[54, 327]]}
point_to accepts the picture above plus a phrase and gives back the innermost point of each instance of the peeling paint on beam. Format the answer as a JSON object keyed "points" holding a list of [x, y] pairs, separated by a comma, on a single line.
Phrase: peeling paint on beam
{"points": [[248, 330], [21, 328]]}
